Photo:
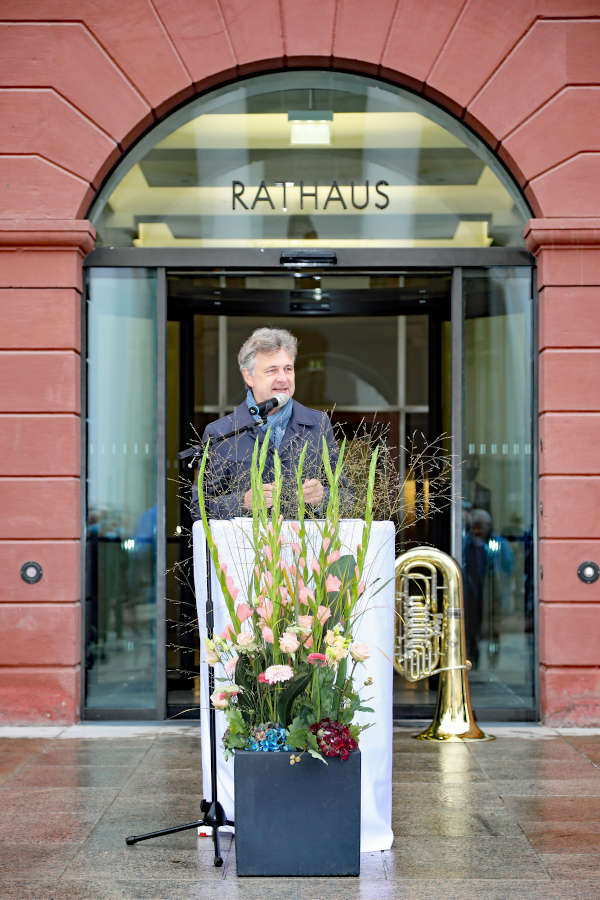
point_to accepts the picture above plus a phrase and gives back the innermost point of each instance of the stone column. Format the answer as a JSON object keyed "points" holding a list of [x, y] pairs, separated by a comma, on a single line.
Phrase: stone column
{"points": [[40, 467], [568, 256]]}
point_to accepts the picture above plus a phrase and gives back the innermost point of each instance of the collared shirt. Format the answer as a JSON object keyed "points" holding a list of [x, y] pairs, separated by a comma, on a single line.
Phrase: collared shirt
{"points": [[277, 421]]}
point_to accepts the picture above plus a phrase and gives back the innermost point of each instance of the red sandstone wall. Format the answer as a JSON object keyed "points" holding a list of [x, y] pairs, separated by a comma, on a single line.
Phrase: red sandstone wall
{"points": [[79, 80]]}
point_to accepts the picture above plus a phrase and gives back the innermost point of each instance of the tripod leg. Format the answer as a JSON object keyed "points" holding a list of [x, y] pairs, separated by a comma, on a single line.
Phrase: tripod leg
{"points": [[136, 838]]}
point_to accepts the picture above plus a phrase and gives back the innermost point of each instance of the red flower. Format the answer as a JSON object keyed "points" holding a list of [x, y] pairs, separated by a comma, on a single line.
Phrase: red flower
{"points": [[333, 738], [315, 658]]}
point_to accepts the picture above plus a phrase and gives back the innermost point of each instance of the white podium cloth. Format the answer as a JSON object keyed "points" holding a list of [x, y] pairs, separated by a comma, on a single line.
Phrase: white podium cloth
{"points": [[374, 626]]}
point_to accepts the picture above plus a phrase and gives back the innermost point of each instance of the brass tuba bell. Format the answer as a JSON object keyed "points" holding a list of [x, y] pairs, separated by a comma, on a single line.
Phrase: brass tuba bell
{"points": [[430, 639]]}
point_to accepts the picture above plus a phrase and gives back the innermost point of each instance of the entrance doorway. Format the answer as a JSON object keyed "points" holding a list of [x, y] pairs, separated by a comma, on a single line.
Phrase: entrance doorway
{"points": [[374, 352]]}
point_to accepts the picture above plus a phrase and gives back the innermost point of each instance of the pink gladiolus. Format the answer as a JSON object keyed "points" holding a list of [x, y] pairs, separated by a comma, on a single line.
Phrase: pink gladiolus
{"points": [[270, 528], [304, 593], [265, 610], [323, 613], [267, 634], [305, 621], [295, 526], [356, 572], [301, 563], [361, 588], [326, 543], [223, 567], [243, 612], [314, 658], [280, 520], [316, 568], [293, 571], [228, 634], [308, 643], [284, 596], [333, 556], [257, 571], [332, 583], [269, 554], [296, 548], [233, 590], [269, 579]]}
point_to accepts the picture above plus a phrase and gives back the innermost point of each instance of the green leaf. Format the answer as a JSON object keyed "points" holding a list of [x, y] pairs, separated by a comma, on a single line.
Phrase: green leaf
{"points": [[293, 687]]}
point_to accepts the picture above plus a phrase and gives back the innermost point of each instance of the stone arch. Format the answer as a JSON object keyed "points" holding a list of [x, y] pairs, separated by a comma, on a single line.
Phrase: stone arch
{"points": [[96, 89]]}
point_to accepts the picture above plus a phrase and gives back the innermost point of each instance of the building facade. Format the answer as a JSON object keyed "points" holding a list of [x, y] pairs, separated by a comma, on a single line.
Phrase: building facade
{"points": [[168, 167]]}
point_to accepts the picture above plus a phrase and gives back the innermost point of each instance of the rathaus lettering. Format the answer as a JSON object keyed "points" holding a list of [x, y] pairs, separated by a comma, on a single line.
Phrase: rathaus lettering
{"points": [[303, 196]]}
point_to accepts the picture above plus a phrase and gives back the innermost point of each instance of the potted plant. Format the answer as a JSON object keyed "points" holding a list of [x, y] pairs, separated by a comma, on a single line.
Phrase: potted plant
{"points": [[287, 667]]}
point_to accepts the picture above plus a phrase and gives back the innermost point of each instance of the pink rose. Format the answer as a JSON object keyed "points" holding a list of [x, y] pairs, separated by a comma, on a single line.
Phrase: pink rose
{"points": [[243, 612], [288, 642], [323, 613], [267, 634], [359, 652], [332, 584], [219, 699]]}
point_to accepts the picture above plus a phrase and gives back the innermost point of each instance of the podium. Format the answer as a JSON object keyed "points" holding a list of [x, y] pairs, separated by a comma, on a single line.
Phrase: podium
{"points": [[374, 626]]}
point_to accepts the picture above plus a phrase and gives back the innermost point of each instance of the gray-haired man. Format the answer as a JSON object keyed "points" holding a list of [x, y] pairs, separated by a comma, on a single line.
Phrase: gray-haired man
{"points": [[266, 362]]}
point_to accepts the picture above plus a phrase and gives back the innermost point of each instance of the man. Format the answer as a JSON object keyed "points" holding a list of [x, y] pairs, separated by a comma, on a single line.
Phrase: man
{"points": [[266, 362]]}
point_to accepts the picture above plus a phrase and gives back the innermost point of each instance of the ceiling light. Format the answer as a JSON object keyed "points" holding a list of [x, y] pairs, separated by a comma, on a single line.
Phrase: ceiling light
{"points": [[310, 126]]}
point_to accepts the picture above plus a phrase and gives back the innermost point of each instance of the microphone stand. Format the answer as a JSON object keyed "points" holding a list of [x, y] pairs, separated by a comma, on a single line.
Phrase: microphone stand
{"points": [[214, 814]]}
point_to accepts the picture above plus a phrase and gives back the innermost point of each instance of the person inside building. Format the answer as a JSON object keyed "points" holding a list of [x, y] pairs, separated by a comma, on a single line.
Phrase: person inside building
{"points": [[266, 361]]}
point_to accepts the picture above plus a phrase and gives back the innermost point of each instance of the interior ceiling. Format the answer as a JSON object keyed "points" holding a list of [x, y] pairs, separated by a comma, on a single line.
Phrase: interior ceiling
{"points": [[440, 193]]}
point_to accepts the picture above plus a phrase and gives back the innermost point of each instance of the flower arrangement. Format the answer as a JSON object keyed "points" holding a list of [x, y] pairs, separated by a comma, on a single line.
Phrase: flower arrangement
{"points": [[287, 657]]}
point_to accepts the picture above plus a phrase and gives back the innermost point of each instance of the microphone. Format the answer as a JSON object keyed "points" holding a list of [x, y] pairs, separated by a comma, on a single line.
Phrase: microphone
{"points": [[262, 409]]}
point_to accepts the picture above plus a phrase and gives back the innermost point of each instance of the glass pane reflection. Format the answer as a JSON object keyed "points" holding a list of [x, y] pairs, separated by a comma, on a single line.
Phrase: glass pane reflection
{"points": [[121, 490], [497, 487], [244, 166]]}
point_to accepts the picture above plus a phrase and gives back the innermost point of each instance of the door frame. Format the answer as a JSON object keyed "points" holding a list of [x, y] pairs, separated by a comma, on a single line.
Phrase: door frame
{"points": [[270, 261]]}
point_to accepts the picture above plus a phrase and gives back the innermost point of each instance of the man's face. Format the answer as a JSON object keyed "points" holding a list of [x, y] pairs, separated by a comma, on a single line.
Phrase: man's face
{"points": [[273, 374]]}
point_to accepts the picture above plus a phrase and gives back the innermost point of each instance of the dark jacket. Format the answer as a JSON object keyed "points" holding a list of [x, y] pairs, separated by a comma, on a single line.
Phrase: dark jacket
{"points": [[227, 475]]}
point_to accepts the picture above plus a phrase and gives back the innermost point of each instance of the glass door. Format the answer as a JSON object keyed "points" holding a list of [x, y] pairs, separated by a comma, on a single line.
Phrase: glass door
{"points": [[366, 344]]}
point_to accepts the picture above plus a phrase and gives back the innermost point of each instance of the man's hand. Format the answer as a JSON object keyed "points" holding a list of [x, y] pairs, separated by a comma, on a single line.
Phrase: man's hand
{"points": [[313, 491], [267, 494]]}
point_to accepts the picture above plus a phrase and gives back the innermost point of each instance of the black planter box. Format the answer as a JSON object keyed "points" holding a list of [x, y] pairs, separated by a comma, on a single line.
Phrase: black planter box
{"points": [[296, 820]]}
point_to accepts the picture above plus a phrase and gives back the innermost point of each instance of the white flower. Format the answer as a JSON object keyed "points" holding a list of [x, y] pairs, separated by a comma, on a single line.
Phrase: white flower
{"points": [[359, 652], [211, 656], [245, 641], [278, 673]]}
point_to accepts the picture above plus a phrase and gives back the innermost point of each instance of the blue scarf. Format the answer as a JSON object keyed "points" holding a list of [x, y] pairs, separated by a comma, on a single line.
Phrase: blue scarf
{"points": [[277, 421]]}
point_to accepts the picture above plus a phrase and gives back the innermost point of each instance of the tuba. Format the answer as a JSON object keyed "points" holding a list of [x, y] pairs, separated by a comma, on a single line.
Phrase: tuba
{"points": [[430, 639]]}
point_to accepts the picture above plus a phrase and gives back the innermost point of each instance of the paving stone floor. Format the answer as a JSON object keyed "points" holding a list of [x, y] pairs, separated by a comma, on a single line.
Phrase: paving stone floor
{"points": [[515, 818]]}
